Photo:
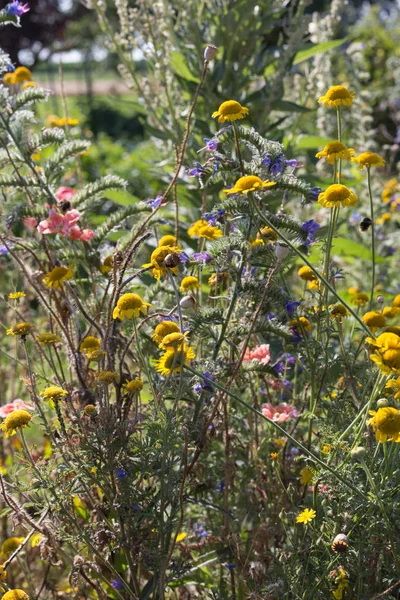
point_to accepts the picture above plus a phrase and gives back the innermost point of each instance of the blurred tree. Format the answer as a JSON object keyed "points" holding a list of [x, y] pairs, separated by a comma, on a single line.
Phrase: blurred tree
{"points": [[43, 27]]}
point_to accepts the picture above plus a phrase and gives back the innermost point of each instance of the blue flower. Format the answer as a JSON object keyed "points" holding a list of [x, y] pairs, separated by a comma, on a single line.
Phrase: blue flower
{"points": [[199, 530], [201, 257], [120, 473], [117, 584], [10, 68], [212, 218], [290, 307], [183, 257], [293, 163], [275, 165], [211, 144], [16, 9], [355, 218], [154, 203], [279, 367], [220, 486], [314, 192], [230, 566], [197, 170], [3, 249], [310, 226]]}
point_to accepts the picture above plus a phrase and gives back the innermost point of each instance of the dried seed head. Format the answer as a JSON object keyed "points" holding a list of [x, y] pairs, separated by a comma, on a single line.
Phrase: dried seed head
{"points": [[210, 52]]}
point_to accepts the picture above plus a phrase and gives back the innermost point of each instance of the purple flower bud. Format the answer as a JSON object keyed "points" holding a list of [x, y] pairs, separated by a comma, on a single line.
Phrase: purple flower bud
{"points": [[211, 144], [290, 307]]}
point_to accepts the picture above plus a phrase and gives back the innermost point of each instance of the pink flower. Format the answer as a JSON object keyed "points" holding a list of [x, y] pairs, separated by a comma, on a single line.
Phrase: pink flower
{"points": [[279, 414], [30, 222], [87, 235], [71, 217], [259, 353], [276, 384], [65, 193], [18, 404]]}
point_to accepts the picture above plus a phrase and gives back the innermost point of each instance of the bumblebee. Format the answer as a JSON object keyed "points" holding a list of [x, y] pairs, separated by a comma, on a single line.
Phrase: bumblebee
{"points": [[340, 544], [365, 224]]}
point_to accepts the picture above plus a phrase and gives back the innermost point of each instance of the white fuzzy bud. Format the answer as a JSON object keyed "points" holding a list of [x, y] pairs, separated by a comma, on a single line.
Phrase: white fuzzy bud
{"points": [[281, 251], [358, 453], [187, 302]]}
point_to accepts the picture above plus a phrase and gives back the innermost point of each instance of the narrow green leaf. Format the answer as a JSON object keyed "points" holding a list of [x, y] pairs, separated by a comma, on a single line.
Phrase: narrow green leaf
{"points": [[287, 106], [179, 66], [121, 197], [316, 49]]}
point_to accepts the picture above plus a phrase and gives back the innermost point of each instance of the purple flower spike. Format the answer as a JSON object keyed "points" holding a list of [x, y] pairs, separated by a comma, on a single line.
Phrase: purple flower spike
{"points": [[201, 257], [16, 9]]}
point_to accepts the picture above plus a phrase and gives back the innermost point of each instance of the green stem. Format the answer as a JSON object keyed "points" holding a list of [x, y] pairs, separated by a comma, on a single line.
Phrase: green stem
{"points": [[371, 204], [384, 513], [282, 431], [313, 269], [238, 147]]}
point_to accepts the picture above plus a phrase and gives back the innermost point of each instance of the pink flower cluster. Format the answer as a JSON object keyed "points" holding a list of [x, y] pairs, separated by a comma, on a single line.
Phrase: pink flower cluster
{"points": [[279, 414], [18, 404], [65, 224], [259, 353]]}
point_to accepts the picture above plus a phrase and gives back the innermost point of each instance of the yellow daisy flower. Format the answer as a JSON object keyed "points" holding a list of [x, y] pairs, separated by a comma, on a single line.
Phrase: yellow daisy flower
{"points": [[21, 329], [16, 295], [107, 265], [336, 195], [374, 320], [307, 515], [55, 278], [47, 339], [396, 302], [386, 352], [203, 229], [54, 393], [339, 312], [189, 283], [163, 329], [394, 384], [386, 424], [130, 305], [18, 419], [157, 259], [89, 344], [360, 299], [167, 240], [305, 323], [10, 545], [15, 595], [230, 110], [9, 79], [335, 150], [369, 159], [249, 183], [134, 385], [22, 74], [269, 234], [337, 95], [106, 376], [174, 341], [306, 476], [306, 273], [171, 361]]}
